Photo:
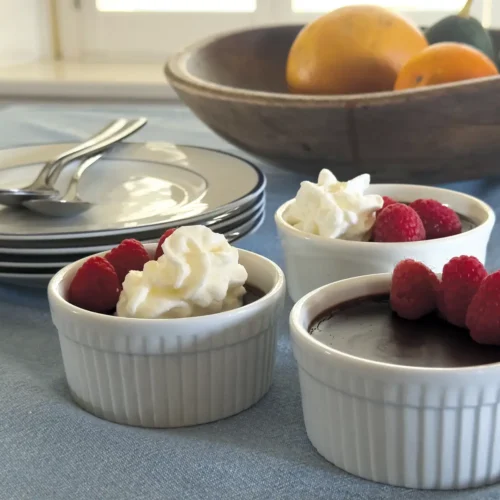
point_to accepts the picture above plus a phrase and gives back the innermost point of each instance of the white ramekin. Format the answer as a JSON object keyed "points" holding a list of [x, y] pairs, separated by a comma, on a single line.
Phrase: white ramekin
{"points": [[313, 261], [433, 428], [170, 372]]}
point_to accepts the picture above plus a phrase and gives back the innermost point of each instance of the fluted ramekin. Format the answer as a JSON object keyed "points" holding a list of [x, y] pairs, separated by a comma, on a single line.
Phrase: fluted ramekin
{"points": [[313, 261], [170, 372], [432, 428]]}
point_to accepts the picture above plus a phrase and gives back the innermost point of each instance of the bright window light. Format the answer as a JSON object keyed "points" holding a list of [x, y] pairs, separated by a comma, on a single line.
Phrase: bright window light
{"points": [[402, 5], [176, 5]]}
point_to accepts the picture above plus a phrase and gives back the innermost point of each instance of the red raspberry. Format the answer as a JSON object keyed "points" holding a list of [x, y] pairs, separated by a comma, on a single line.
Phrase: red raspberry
{"points": [[413, 289], [439, 220], [459, 283], [483, 315], [159, 249], [387, 201], [129, 255], [95, 286], [398, 222]]}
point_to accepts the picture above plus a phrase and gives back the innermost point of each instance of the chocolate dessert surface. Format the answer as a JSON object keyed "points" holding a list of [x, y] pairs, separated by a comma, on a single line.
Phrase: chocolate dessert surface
{"points": [[367, 328], [252, 294]]}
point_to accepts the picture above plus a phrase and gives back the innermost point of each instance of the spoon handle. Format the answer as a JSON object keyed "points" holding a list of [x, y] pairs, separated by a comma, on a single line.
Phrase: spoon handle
{"points": [[110, 129], [72, 192], [96, 146]]}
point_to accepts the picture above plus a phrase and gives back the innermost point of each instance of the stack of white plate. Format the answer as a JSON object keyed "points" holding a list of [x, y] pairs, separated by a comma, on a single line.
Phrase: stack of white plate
{"points": [[139, 190]]}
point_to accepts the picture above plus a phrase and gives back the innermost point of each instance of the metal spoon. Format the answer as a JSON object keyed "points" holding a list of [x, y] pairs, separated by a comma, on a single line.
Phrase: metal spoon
{"points": [[43, 185], [130, 127], [69, 209], [39, 187], [70, 204]]}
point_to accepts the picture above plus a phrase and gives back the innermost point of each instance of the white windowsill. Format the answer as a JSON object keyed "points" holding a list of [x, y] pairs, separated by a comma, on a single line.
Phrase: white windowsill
{"points": [[94, 81]]}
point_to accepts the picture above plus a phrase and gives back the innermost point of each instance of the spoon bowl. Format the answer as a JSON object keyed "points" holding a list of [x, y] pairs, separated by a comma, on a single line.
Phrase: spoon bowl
{"points": [[115, 132], [16, 197], [70, 204], [53, 207], [43, 186]]}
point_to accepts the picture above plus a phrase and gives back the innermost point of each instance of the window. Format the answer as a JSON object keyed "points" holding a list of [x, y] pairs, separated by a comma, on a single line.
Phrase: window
{"points": [[151, 30], [169, 6], [403, 5], [423, 12], [148, 30]]}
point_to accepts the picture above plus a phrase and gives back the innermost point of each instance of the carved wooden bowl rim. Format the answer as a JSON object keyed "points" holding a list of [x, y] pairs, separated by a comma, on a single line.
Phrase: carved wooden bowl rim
{"points": [[176, 71]]}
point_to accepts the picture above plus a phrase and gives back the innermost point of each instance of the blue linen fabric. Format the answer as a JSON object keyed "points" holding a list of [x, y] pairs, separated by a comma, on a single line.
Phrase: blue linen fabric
{"points": [[51, 449]]}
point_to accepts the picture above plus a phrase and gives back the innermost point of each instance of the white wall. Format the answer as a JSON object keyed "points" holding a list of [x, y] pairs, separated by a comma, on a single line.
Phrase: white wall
{"points": [[24, 31]]}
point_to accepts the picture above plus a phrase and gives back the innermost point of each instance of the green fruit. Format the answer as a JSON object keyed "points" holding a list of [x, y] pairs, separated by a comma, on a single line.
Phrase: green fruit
{"points": [[462, 28]]}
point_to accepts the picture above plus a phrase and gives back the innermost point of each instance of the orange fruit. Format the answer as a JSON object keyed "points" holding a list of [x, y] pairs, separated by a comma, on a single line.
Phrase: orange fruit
{"points": [[444, 63], [355, 49]]}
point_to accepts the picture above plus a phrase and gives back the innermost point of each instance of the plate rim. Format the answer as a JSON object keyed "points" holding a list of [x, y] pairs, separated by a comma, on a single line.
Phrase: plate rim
{"points": [[33, 252], [9, 247], [259, 187], [47, 276]]}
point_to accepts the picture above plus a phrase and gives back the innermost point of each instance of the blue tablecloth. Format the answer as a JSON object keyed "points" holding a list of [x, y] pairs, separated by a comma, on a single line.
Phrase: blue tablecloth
{"points": [[51, 449]]}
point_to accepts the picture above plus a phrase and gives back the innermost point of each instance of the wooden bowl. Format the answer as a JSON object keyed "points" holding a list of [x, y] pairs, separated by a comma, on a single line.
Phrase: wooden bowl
{"points": [[235, 83]]}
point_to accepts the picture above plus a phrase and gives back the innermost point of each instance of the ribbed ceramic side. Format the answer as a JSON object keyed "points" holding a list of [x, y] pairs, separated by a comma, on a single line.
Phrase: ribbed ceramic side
{"points": [[171, 390], [442, 442], [171, 373]]}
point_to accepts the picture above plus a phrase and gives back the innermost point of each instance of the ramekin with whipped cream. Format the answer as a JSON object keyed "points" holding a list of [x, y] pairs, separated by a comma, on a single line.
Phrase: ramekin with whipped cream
{"points": [[325, 231], [174, 371]]}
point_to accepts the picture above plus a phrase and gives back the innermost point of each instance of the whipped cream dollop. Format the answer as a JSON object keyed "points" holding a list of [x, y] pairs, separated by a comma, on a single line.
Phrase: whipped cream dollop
{"points": [[198, 274], [334, 209]]}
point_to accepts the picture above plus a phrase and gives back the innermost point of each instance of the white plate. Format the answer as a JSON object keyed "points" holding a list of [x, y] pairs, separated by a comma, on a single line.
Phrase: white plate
{"points": [[33, 258], [82, 247], [40, 279], [137, 187], [34, 247]]}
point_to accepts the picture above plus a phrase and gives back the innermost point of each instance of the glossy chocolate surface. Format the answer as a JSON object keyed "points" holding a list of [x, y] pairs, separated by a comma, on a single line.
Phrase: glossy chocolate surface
{"points": [[367, 328], [253, 294]]}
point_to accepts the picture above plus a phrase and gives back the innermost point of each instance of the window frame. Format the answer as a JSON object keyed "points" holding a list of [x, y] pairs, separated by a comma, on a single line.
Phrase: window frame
{"points": [[88, 35], [422, 18]]}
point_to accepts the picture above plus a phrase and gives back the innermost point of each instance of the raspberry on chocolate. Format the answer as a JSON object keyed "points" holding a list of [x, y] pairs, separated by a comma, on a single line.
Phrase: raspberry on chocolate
{"points": [[129, 255], [460, 281], [413, 290], [438, 220], [398, 223], [95, 286], [159, 249], [483, 314]]}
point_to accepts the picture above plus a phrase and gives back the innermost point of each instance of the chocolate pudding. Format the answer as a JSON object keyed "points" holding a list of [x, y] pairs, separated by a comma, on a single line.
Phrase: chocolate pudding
{"points": [[367, 328], [252, 294]]}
